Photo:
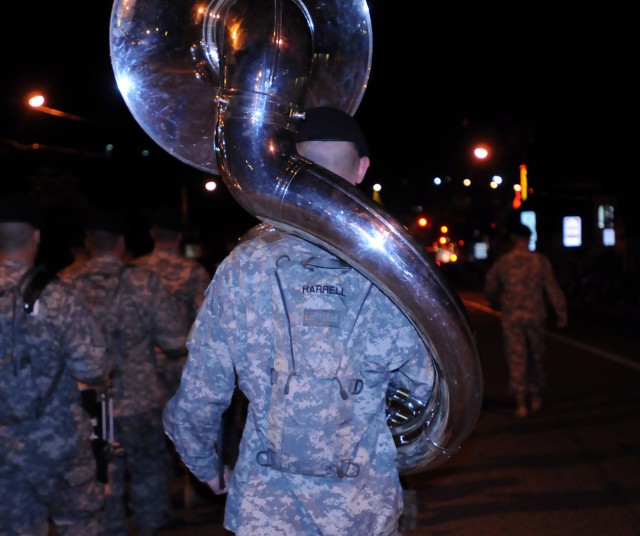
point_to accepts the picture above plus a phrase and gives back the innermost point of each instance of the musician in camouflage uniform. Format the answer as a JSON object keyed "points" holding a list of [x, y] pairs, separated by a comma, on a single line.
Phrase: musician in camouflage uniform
{"points": [[145, 315], [185, 278], [522, 282], [235, 332], [47, 468]]}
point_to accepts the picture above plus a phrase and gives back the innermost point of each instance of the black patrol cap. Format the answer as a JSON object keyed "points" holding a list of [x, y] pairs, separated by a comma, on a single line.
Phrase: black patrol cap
{"points": [[325, 123], [109, 221], [20, 208], [522, 230]]}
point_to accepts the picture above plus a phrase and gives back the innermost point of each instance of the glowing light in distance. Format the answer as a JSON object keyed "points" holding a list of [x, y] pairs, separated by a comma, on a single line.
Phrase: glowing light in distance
{"points": [[36, 101]]}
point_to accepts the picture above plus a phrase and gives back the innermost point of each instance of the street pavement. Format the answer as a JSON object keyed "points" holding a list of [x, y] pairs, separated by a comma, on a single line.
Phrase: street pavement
{"points": [[571, 469]]}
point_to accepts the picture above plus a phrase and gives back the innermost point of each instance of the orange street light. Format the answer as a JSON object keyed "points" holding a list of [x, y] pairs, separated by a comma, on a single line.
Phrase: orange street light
{"points": [[481, 152], [36, 101]]}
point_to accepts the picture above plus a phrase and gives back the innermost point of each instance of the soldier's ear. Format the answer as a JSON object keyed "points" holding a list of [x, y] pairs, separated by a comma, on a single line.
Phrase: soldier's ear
{"points": [[363, 166]]}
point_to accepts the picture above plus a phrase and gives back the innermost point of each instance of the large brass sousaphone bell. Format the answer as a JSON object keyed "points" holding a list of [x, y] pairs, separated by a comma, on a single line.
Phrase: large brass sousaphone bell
{"points": [[221, 86]]}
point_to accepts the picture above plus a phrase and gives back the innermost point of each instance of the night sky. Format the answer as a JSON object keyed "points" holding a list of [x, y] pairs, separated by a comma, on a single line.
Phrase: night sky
{"points": [[544, 85]]}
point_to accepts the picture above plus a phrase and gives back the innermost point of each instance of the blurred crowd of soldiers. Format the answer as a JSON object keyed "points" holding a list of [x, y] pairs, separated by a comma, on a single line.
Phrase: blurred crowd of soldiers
{"points": [[107, 337]]}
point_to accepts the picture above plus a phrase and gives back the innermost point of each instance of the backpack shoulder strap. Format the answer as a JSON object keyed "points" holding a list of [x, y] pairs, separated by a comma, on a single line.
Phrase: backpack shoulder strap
{"points": [[118, 287], [292, 294], [30, 287]]}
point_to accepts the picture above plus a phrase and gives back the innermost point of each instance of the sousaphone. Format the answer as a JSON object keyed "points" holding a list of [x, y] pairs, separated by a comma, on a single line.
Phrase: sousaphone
{"points": [[222, 86]]}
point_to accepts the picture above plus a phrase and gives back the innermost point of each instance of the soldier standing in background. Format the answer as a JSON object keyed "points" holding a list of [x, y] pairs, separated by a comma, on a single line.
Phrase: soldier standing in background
{"points": [[187, 280], [521, 283], [136, 312], [47, 467]]}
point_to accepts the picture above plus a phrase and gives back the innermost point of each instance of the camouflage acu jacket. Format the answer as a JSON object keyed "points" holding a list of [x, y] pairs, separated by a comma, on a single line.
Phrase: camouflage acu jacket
{"points": [[147, 315], [523, 282], [234, 331], [70, 341], [185, 278]]}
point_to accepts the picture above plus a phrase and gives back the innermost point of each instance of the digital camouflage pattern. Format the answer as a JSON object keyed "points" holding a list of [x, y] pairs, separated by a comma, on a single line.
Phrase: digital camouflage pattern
{"points": [[147, 316], [234, 332], [187, 280], [523, 281], [47, 466], [317, 365]]}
